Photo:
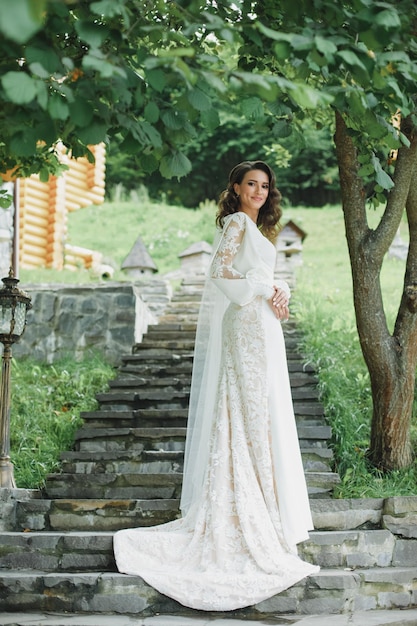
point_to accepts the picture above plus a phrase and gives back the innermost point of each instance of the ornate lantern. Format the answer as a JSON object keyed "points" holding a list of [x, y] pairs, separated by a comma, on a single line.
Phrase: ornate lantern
{"points": [[14, 305]]}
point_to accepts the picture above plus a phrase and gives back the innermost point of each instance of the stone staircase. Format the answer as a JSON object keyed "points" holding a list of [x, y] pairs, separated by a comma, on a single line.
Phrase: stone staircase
{"points": [[125, 471]]}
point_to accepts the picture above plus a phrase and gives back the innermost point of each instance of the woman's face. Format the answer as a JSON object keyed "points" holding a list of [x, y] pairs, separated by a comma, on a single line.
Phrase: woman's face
{"points": [[253, 190]]}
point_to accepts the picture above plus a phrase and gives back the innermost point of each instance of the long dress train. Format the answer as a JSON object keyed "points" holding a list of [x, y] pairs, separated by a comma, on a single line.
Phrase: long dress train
{"points": [[236, 543]]}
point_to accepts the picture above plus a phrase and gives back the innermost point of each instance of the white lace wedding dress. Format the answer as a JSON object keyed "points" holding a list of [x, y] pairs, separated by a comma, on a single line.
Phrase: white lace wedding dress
{"points": [[246, 499]]}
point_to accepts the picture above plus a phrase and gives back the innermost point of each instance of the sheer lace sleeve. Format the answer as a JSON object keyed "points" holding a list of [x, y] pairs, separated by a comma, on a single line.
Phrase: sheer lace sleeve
{"points": [[239, 288], [222, 265]]}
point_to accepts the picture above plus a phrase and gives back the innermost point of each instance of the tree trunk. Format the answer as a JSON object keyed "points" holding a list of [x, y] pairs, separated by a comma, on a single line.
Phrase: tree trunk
{"points": [[391, 359]]}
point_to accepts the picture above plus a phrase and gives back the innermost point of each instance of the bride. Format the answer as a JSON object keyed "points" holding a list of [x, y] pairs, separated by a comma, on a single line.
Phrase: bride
{"points": [[244, 501]]}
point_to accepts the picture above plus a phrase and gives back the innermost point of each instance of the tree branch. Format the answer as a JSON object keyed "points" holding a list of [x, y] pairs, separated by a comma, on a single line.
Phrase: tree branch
{"points": [[404, 169]]}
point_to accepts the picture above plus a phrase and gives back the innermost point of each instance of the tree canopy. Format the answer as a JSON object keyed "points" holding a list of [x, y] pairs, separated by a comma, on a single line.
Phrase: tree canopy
{"points": [[153, 73]]}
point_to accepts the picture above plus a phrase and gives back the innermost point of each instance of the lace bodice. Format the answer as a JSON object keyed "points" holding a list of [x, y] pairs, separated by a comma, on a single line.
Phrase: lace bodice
{"points": [[245, 254]]}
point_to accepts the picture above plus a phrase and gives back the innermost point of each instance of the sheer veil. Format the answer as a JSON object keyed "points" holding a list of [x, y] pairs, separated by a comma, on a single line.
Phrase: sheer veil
{"points": [[206, 367]]}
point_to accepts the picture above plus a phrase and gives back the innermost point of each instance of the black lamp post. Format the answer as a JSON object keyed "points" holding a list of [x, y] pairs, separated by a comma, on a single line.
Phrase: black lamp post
{"points": [[14, 305]]}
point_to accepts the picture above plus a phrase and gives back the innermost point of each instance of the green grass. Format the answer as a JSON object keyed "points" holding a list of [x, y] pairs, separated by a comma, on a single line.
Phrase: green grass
{"points": [[322, 303], [112, 229], [45, 413]]}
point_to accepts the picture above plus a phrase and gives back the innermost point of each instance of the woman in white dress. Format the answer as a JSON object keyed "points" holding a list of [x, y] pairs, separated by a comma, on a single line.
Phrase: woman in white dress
{"points": [[244, 500]]}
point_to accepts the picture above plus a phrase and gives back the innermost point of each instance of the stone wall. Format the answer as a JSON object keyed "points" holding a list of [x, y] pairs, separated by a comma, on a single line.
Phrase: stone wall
{"points": [[108, 318]]}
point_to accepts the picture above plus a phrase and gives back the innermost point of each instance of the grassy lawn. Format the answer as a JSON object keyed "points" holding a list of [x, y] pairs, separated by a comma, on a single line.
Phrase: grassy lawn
{"points": [[322, 303]]}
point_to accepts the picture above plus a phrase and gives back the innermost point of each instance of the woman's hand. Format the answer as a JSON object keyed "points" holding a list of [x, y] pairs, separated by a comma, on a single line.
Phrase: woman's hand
{"points": [[279, 304]]}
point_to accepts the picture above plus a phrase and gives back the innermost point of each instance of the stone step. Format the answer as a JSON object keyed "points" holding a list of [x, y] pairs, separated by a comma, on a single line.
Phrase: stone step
{"points": [[80, 514], [138, 383], [158, 343], [154, 461], [158, 370], [187, 295], [164, 333], [161, 375], [185, 317], [92, 550], [178, 364], [148, 461], [329, 591], [116, 439], [356, 549], [57, 551], [172, 385], [321, 484], [180, 308], [152, 485], [149, 356], [33, 511], [171, 328], [297, 365], [169, 334], [109, 486], [137, 418], [167, 358], [305, 403], [170, 438], [143, 398]]}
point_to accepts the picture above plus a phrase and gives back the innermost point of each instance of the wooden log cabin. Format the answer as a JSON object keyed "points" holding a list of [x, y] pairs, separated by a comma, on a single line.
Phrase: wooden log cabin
{"points": [[42, 212]]}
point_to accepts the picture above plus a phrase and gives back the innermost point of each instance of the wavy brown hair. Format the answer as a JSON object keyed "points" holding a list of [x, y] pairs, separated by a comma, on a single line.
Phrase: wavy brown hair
{"points": [[269, 214]]}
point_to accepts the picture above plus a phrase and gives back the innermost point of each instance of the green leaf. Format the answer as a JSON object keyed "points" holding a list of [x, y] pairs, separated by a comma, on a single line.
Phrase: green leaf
{"points": [[19, 87], [156, 79], [20, 19], [44, 175], [147, 134], [384, 180], [381, 176], [151, 112], [388, 18], [94, 133], [42, 94], [308, 97], [81, 112], [5, 199], [176, 52], [252, 108], [98, 62], [58, 107], [210, 119], [109, 8], [357, 103], [46, 131], [351, 59], [214, 81], [282, 128], [325, 46], [282, 50], [44, 56], [175, 164], [38, 70], [23, 144], [366, 170], [91, 32], [199, 100], [149, 163], [174, 119], [274, 34]]}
